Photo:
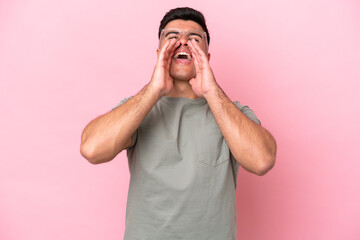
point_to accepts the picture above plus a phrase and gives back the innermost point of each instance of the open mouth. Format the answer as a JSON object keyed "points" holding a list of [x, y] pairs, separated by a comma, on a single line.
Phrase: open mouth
{"points": [[182, 55]]}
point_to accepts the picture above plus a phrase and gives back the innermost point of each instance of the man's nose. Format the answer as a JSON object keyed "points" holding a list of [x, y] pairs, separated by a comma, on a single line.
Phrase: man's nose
{"points": [[183, 40]]}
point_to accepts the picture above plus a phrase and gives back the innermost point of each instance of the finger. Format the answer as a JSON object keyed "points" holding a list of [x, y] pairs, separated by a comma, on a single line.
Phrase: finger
{"points": [[191, 81], [195, 51], [164, 52], [195, 55], [171, 49], [192, 48], [170, 52], [195, 58], [174, 47], [198, 50], [168, 46]]}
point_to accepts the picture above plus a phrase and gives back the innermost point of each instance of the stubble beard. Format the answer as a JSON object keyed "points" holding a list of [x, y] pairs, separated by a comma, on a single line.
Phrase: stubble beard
{"points": [[182, 74]]}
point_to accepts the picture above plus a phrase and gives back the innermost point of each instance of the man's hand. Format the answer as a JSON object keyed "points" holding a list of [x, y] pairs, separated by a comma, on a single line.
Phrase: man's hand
{"points": [[204, 82], [161, 80]]}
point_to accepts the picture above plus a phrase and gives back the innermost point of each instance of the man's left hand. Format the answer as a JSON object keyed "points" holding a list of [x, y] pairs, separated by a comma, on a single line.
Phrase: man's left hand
{"points": [[204, 81]]}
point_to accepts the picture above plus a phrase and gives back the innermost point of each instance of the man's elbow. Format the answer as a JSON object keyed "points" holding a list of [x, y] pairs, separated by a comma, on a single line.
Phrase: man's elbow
{"points": [[90, 154], [265, 165], [266, 160]]}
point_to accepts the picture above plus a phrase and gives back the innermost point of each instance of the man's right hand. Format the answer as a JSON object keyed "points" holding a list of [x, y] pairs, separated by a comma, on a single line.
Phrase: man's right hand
{"points": [[161, 80]]}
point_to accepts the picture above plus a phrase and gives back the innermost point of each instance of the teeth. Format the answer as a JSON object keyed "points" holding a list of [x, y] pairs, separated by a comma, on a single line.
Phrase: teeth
{"points": [[183, 53]]}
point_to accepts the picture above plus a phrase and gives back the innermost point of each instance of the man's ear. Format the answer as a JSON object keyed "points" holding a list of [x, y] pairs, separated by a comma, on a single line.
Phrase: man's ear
{"points": [[157, 52], [208, 56]]}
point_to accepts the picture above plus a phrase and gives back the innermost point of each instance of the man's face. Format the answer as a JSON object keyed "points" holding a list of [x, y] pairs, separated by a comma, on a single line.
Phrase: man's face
{"points": [[182, 65]]}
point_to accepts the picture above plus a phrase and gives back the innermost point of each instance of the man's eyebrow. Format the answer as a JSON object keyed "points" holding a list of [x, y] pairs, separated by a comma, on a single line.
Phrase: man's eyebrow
{"points": [[171, 32], [194, 33]]}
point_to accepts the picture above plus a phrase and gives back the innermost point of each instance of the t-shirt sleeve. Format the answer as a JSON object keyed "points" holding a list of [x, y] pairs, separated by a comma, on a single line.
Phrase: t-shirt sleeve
{"points": [[134, 136], [248, 112], [122, 102], [251, 115]]}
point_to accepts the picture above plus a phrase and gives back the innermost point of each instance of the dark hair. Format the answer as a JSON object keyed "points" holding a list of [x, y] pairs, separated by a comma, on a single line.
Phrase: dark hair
{"points": [[184, 13]]}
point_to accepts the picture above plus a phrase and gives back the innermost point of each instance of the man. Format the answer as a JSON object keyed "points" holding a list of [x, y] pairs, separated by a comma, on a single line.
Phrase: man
{"points": [[185, 141]]}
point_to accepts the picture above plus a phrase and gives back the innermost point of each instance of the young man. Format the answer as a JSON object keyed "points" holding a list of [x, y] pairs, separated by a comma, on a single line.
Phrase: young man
{"points": [[185, 141]]}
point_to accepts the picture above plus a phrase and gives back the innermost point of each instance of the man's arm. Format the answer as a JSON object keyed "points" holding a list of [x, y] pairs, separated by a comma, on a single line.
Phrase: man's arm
{"points": [[106, 136], [251, 145]]}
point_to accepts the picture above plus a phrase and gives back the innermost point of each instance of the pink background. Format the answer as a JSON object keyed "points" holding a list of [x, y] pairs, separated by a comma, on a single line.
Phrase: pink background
{"points": [[64, 62]]}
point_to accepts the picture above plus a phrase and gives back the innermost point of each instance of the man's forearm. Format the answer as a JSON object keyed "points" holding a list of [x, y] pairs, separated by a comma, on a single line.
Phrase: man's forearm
{"points": [[106, 136], [251, 145]]}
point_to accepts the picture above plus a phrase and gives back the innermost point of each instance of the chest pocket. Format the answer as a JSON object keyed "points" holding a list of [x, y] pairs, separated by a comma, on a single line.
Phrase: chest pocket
{"points": [[205, 141], [213, 149]]}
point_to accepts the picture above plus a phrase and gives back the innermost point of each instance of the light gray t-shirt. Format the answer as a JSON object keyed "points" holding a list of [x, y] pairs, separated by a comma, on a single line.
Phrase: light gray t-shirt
{"points": [[183, 176]]}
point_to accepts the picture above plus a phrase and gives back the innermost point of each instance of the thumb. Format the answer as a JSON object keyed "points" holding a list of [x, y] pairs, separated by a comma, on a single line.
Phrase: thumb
{"points": [[192, 81]]}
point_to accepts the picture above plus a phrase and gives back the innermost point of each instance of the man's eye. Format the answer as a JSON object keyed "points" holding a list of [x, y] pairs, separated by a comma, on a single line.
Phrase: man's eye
{"points": [[196, 38], [172, 35]]}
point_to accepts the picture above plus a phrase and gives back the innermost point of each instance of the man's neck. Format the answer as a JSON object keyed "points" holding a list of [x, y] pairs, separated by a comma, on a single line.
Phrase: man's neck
{"points": [[182, 89]]}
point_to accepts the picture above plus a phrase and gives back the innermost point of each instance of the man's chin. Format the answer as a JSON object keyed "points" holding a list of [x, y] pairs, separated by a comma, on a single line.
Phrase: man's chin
{"points": [[182, 72], [181, 78]]}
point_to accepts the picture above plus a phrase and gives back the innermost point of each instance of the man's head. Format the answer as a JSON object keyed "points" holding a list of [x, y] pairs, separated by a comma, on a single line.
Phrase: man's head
{"points": [[184, 24], [184, 13]]}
